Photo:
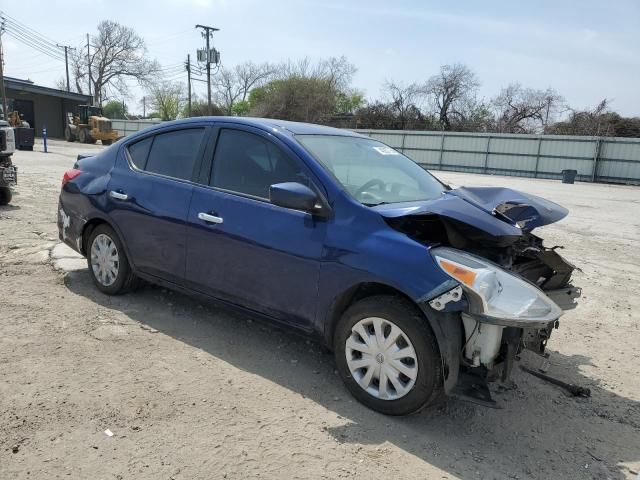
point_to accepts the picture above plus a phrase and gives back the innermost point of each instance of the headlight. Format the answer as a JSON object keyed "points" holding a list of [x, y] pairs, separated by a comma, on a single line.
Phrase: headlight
{"points": [[494, 292]]}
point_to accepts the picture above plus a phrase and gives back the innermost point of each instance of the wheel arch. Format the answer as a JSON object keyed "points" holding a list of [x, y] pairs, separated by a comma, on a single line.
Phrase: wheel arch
{"points": [[91, 225], [354, 294], [446, 326]]}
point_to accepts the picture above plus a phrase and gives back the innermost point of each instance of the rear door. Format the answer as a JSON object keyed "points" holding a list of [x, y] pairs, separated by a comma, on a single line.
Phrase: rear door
{"points": [[149, 194], [242, 248]]}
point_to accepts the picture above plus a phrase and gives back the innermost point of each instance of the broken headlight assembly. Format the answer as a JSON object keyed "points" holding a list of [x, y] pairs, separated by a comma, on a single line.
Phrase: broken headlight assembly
{"points": [[495, 295]]}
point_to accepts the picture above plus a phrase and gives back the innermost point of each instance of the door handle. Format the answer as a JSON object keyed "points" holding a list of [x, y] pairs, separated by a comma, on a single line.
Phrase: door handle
{"points": [[118, 195], [209, 218]]}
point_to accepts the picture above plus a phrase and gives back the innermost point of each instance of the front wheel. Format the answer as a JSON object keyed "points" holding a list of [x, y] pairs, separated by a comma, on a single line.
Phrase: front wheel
{"points": [[68, 135], [83, 136], [108, 264], [5, 195], [387, 355]]}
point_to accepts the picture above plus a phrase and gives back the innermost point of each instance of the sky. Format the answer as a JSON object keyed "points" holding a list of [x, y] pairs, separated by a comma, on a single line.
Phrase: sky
{"points": [[587, 50]]}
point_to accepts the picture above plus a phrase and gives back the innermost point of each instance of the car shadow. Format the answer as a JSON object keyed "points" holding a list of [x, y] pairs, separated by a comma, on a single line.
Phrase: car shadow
{"points": [[539, 433], [9, 208]]}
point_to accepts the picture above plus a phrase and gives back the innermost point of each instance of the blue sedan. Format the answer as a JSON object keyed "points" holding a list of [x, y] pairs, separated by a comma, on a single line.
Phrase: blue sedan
{"points": [[418, 289]]}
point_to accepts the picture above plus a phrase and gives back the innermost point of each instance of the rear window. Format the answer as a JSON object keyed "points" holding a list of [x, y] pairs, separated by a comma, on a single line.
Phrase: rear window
{"points": [[139, 152], [173, 154]]}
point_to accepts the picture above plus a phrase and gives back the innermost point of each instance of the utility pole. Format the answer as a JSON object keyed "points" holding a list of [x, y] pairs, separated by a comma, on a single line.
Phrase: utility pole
{"points": [[189, 84], [207, 32], [144, 107], [89, 68], [66, 62], [5, 114]]}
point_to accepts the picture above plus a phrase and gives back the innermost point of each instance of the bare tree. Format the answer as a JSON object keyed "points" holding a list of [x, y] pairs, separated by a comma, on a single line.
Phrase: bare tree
{"points": [[337, 71], [525, 110], [167, 99], [232, 85], [598, 120], [117, 53], [61, 83], [404, 101], [449, 92]]}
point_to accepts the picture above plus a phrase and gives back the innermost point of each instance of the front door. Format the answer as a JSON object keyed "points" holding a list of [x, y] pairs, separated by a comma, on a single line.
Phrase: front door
{"points": [[243, 249]]}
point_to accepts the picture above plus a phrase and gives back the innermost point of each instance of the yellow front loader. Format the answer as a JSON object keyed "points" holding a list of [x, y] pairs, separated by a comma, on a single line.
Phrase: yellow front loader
{"points": [[88, 125]]}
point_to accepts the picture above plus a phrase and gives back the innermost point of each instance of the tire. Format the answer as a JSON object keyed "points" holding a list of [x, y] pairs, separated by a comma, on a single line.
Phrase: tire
{"points": [[83, 136], [106, 143], [68, 135], [124, 280], [417, 338], [5, 195]]}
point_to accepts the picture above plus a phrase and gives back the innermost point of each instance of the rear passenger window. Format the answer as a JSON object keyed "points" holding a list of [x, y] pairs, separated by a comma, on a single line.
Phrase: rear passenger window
{"points": [[247, 163], [174, 154], [139, 152]]}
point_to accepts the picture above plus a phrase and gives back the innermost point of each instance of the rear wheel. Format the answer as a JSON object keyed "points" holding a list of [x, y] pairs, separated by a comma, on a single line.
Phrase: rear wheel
{"points": [[387, 355], [108, 263], [5, 195], [68, 135]]}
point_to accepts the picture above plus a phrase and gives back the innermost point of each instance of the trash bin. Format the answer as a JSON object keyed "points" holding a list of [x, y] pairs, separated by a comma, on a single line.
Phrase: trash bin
{"points": [[568, 176]]}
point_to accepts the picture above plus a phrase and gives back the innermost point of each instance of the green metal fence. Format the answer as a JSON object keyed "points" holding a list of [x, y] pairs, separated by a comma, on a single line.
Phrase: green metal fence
{"points": [[596, 159]]}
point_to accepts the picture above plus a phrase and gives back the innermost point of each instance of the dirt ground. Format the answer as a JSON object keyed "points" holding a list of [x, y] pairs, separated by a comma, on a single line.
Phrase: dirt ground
{"points": [[194, 391]]}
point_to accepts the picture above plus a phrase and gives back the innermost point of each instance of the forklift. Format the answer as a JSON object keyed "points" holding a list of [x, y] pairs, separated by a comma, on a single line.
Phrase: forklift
{"points": [[89, 125], [24, 134]]}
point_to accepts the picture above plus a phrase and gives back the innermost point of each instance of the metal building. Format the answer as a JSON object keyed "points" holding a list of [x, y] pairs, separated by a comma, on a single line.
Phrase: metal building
{"points": [[42, 107]]}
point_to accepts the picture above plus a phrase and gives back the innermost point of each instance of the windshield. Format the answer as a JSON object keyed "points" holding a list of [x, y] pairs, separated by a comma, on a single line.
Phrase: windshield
{"points": [[370, 171]]}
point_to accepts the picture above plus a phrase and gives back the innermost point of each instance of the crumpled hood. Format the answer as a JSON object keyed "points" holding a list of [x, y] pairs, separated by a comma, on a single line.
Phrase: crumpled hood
{"points": [[498, 211]]}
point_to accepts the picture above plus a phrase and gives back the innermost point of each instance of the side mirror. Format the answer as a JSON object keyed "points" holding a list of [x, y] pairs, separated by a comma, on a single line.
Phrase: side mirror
{"points": [[293, 195]]}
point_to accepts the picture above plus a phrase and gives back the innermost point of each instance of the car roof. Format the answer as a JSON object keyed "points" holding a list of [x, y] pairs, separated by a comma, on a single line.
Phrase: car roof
{"points": [[283, 126]]}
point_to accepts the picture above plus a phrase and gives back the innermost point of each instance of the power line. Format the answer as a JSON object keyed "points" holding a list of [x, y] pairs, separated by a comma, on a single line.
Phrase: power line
{"points": [[33, 45], [44, 38], [30, 35], [31, 41]]}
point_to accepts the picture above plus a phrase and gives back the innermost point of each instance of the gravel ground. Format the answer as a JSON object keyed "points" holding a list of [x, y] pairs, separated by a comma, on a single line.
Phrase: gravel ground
{"points": [[191, 390]]}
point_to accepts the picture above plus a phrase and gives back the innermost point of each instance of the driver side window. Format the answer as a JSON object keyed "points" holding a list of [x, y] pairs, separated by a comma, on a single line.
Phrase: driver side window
{"points": [[248, 164]]}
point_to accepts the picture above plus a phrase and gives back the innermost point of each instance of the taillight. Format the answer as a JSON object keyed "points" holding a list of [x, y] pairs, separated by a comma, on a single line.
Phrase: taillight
{"points": [[70, 175]]}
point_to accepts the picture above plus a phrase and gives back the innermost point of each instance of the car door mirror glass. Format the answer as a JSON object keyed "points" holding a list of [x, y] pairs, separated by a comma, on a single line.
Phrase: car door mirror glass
{"points": [[293, 195]]}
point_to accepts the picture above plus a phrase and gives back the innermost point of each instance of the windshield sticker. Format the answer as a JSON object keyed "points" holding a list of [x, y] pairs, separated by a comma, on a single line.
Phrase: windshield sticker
{"points": [[385, 151]]}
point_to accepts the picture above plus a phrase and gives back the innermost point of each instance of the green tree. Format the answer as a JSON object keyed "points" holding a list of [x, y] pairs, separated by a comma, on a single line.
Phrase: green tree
{"points": [[349, 102], [199, 109], [241, 108], [167, 99], [306, 91], [115, 109], [233, 85], [297, 98]]}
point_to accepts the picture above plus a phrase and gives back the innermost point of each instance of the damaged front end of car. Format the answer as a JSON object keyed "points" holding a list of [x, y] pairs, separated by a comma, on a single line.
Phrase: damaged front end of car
{"points": [[508, 289]]}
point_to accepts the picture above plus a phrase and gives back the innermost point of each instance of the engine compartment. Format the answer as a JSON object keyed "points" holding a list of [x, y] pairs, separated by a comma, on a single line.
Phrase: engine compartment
{"points": [[523, 254]]}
